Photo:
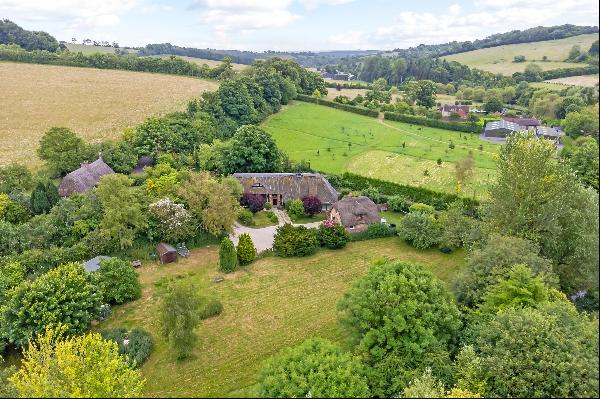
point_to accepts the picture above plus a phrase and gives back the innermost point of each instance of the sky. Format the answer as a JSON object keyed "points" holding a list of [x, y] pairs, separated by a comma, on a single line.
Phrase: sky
{"points": [[291, 25]]}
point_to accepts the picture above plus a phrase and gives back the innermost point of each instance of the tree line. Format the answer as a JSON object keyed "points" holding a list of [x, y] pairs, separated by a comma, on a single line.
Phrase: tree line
{"points": [[11, 33]]}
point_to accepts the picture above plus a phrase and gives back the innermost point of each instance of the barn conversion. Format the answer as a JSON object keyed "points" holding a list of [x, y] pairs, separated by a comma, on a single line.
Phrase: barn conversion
{"points": [[278, 188], [84, 178], [355, 213], [527, 123]]}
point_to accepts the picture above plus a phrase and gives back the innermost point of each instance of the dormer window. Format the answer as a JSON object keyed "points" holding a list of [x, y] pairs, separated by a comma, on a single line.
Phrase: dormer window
{"points": [[256, 185]]}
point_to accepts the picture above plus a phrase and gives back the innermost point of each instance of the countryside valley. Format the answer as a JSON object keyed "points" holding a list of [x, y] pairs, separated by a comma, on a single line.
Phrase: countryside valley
{"points": [[178, 221]]}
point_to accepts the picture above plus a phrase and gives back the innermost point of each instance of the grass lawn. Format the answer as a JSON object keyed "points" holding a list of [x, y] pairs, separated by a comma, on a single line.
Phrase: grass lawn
{"points": [[392, 217], [268, 306], [97, 104], [335, 141], [261, 219], [500, 59]]}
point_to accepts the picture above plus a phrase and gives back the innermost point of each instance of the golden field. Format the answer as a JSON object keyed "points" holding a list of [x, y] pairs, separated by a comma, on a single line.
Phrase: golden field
{"points": [[97, 104]]}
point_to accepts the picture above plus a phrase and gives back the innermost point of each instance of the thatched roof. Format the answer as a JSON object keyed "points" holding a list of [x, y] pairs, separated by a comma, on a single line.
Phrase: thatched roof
{"points": [[142, 163], [289, 185], [84, 178], [354, 211]]}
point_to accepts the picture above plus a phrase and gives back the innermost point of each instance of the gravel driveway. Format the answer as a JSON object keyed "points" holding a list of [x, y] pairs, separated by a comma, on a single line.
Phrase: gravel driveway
{"points": [[263, 237]]}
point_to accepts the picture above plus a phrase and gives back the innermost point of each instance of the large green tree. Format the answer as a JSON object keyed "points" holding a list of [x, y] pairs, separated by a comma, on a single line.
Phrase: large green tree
{"points": [[75, 367], [401, 319], [488, 265], [549, 351], [62, 295], [236, 102], [538, 198], [123, 214], [252, 150], [422, 92], [316, 368], [118, 281], [582, 123], [62, 150], [584, 161]]}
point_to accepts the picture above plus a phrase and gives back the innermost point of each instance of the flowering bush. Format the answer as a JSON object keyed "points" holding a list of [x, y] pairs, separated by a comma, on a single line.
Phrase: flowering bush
{"points": [[172, 221]]}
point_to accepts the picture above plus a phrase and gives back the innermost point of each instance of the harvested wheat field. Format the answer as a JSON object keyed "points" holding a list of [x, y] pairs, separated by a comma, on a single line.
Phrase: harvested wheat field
{"points": [[583, 80], [97, 104]]}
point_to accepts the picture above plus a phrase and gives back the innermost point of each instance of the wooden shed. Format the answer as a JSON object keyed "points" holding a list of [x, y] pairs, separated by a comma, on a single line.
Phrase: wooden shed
{"points": [[166, 253]]}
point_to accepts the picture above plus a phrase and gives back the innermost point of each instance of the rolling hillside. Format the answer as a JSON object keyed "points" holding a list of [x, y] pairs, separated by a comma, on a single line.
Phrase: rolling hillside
{"points": [[97, 104], [500, 59]]}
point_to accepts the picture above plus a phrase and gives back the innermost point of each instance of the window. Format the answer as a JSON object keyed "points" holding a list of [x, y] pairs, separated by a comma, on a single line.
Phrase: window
{"points": [[255, 185]]}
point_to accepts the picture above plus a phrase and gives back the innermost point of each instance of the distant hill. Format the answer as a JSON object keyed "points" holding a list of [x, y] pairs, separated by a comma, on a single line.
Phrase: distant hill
{"points": [[500, 59], [11, 33], [539, 33]]}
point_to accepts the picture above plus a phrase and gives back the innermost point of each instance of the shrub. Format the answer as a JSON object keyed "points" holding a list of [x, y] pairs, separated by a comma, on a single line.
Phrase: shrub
{"points": [[254, 202], [174, 222], [268, 206], [332, 235], [374, 194], [139, 347], [245, 217], [398, 203], [272, 216], [228, 260], [375, 230], [420, 230], [245, 250], [423, 208], [312, 204], [294, 241], [117, 281], [214, 307], [295, 208]]}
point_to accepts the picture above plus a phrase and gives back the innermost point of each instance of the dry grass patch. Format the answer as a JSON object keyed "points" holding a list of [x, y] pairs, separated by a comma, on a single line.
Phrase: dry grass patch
{"points": [[583, 80], [500, 59], [97, 104], [268, 306]]}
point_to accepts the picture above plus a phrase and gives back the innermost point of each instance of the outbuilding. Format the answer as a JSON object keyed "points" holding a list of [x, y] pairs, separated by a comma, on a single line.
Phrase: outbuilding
{"points": [[355, 213], [501, 128], [166, 253], [85, 178]]}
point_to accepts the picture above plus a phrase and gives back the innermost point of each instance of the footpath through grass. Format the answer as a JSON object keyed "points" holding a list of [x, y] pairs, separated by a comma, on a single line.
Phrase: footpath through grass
{"points": [[336, 141], [268, 306]]}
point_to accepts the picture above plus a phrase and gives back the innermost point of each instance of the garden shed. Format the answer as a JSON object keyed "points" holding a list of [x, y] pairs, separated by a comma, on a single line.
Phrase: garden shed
{"points": [[166, 253]]}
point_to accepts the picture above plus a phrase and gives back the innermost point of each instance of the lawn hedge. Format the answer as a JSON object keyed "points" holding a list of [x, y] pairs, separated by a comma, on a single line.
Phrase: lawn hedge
{"points": [[417, 120], [343, 107], [438, 200]]}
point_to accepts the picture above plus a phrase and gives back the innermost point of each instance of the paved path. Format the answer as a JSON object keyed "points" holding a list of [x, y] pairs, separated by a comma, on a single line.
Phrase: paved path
{"points": [[263, 237]]}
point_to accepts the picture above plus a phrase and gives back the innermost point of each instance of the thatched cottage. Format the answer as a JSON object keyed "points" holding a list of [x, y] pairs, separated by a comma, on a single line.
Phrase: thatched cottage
{"points": [[355, 213], [278, 188], [84, 178]]}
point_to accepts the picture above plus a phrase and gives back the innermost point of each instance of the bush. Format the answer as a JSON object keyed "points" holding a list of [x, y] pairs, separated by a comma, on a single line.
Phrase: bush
{"points": [[254, 202], [332, 235], [268, 206], [272, 216], [423, 208], [246, 218], [245, 250], [117, 281], [140, 344], [294, 241], [295, 208], [228, 260], [420, 230], [398, 203], [417, 120], [214, 307], [374, 195], [375, 230], [312, 204], [343, 107]]}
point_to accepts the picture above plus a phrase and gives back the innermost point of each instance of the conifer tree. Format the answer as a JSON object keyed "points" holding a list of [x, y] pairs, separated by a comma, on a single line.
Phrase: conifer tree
{"points": [[245, 250], [228, 260]]}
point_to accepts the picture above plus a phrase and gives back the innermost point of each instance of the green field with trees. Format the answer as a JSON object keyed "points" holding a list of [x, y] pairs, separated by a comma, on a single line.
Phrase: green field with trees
{"points": [[335, 141]]}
